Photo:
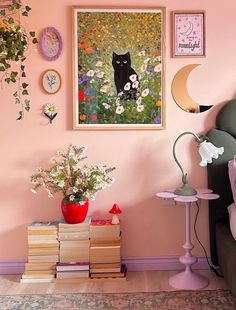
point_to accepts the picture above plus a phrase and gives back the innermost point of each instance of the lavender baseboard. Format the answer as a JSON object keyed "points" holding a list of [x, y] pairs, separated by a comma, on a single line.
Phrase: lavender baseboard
{"points": [[132, 263]]}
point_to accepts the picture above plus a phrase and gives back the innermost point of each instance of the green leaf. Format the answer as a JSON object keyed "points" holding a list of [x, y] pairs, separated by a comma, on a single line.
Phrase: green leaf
{"points": [[34, 41], [10, 21], [25, 85], [25, 13], [27, 105], [20, 116], [17, 101], [25, 92], [2, 68], [7, 80], [27, 8], [32, 33], [15, 94], [13, 74]]}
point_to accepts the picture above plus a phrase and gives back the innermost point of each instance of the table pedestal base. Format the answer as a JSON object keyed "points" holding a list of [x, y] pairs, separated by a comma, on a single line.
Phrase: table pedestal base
{"points": [[188, 280]]}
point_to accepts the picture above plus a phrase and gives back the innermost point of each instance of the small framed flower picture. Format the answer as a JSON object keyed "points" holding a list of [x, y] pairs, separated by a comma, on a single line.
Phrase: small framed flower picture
{"points": [[118, 72], [51, 81], [189, 34]]}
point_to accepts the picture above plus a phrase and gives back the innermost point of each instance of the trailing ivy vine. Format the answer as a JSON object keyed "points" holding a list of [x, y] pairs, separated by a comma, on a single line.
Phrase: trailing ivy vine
{"points": [[14, 42]]}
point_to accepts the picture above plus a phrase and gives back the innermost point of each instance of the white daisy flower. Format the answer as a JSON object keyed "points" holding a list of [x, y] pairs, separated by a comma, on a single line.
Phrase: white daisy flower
{"points": [[120, 109], [140, 108], [50, 109], [157, 68], [99, 64], [139, 100], [127, 86], [106, 105], [90, 73], [146, 60], [104, 89], [120, 94], [100, 75], [135, 84], [133, 77], [145, 92], [142, 53], [118, 101]]}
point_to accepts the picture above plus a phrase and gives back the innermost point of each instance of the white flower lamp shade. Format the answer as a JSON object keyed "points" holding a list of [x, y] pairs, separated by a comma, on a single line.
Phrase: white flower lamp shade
{"points": [[208, 151]]}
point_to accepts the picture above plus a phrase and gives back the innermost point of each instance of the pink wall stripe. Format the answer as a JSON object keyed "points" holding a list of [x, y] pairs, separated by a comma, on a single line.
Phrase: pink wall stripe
{"points": [[132, 263]]}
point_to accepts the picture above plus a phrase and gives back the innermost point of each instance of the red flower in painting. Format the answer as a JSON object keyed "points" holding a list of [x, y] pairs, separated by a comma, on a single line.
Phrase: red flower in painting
{"points": [[93, 117], [81, 96]]}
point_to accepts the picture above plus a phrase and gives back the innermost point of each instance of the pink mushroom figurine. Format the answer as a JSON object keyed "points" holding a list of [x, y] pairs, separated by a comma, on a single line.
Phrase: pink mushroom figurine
{"points": [[115, 210]]}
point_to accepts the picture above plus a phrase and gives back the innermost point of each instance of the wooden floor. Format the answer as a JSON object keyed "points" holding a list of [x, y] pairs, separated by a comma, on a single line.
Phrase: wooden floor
{"points": [[149, 281]]}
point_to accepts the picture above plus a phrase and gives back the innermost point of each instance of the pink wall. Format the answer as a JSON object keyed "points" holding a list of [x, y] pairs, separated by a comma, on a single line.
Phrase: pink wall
{"points": [[143, 158]]}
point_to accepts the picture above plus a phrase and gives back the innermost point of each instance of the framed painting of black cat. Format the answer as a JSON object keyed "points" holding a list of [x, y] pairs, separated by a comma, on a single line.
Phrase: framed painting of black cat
{"points": [[118, 68]]}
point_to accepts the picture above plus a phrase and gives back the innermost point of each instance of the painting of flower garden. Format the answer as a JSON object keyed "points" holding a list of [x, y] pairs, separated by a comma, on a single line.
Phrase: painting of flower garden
{"points": [[118, 68]]}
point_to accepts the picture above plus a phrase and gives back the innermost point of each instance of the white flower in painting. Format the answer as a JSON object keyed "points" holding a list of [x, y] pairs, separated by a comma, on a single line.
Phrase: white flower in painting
{"points": [[127, 86], [135, 84], [99, 64], [145, 92], [157, 68], [120, 109], [146, 60], [106, 105], [33, 191], [143, 68], [133, 77], [139, 100], [104, 89], [50, 109], [158, 58], [90, 73], [120, 94], [118, 101], [100, 75], [107, 81], [142, 53], [140, 108]]}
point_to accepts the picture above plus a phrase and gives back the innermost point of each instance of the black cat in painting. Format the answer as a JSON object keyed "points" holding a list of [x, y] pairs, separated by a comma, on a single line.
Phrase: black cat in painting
{"points": [[125, 77]]}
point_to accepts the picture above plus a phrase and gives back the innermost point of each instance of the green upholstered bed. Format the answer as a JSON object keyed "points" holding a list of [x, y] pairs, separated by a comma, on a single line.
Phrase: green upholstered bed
{"points": [[222, 243]]}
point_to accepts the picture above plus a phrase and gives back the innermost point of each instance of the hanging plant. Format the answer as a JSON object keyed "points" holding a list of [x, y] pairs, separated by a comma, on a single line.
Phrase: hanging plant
{"points": [[14, 42]]}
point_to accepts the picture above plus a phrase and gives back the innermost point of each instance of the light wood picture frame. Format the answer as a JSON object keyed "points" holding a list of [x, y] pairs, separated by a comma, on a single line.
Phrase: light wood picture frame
{"points": [[118, 72], [189, 32], [51, 81]]}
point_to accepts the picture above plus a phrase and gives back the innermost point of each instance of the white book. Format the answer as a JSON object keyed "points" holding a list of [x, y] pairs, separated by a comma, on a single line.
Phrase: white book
{"points": [[36, 280]]}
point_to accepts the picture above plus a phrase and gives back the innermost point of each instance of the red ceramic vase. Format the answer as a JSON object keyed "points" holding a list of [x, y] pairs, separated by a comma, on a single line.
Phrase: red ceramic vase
{"points": [[74, 213]]}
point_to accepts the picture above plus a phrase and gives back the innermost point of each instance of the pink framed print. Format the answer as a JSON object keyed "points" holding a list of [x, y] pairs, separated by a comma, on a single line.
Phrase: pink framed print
{"points": [[189, 34]]}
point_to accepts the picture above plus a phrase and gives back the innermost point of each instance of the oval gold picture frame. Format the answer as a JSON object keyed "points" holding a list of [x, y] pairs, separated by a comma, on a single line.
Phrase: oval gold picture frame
{"points": [[51, 81]]}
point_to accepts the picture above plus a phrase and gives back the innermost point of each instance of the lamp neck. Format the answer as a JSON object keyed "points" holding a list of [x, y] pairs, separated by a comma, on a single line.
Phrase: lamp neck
{"points": [[198, 140]]}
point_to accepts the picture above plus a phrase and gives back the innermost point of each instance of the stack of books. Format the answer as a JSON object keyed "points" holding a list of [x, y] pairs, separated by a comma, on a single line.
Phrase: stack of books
{"points": [[43, 250], [105, 254], [74, 250]]}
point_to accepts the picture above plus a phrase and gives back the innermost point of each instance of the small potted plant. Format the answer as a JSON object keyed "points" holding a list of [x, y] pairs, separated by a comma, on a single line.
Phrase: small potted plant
{"points": [[78, 183]]}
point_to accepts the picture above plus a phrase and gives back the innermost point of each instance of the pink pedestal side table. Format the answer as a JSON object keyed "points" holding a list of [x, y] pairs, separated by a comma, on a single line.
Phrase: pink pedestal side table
{"points": [[188, 279]]}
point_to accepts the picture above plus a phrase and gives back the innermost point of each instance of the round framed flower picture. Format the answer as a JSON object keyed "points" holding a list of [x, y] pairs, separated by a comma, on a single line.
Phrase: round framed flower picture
{"points": [[51, 81], [50, 43]]}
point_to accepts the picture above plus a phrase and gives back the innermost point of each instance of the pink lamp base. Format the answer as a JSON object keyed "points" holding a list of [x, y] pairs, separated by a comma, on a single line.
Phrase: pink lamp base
{"points": [[188, 280]]}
